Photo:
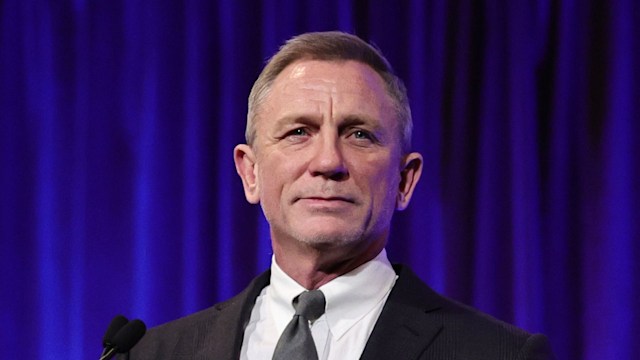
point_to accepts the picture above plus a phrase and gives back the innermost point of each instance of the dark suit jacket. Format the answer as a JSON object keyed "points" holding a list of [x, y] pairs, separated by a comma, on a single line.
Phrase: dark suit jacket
{"points": [[415, 323]]}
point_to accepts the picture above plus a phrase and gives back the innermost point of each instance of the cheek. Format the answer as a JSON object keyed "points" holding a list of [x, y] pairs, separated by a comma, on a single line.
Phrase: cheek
{"points": [[270, 194], [380, 181], [386, 184], [389, 190], [382, 168], [275, 176], [269, 183]]}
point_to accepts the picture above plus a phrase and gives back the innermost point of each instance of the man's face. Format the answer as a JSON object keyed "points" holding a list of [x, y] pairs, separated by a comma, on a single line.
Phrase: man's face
{"points": [[326, 165]]}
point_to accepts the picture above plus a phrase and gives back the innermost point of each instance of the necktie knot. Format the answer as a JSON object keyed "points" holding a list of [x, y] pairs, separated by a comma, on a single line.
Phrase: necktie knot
{"points": [[296, 342], [310, 304]]}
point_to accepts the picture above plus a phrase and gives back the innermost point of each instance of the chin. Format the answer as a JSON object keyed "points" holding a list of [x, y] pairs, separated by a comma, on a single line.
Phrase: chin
{"points": [[325, 239]]}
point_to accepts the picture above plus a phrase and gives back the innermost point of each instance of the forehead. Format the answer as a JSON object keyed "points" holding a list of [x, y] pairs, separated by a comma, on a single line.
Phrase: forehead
{"points": [[346, 86], [350, 76]]}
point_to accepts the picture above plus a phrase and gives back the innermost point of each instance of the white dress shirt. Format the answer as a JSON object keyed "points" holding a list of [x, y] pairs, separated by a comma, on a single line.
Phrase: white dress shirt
{"points": [[354, 303]]}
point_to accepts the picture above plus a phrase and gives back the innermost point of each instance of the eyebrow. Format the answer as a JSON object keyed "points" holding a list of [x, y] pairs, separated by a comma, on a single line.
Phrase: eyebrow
{"points": [[360, 119], [349, 120], [293, 119]]}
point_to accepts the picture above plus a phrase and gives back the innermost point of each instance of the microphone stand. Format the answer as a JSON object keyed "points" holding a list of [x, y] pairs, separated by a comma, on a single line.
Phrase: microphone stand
{"points": [[108, 353]]}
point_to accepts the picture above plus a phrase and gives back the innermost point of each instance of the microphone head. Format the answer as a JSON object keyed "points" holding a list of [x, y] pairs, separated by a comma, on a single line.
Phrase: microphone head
{"points": [[129, 335], [116, 324]]}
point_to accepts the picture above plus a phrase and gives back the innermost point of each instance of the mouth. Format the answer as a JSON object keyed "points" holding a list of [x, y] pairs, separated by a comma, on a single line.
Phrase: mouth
{"points": [[326, 198], [325, 201]]}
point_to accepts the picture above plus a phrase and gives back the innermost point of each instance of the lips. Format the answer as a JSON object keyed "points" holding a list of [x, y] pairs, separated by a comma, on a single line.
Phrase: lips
{"points": [[323, 204], [332, 198], [324, 198]]}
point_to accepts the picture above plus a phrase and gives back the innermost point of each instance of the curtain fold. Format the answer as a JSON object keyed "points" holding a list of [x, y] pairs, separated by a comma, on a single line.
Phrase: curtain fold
{"points": [[118, 192]]}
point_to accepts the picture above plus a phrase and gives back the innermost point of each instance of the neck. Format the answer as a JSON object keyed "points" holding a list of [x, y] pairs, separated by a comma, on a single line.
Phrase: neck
{"points": [[312, 268]]}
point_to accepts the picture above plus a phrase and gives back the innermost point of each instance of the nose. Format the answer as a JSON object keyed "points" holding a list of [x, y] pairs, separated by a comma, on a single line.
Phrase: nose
{"points": [[328, 160]]}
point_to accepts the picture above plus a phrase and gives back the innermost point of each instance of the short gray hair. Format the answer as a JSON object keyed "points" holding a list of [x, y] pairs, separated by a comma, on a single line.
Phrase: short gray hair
{"points": [[331, 46]]}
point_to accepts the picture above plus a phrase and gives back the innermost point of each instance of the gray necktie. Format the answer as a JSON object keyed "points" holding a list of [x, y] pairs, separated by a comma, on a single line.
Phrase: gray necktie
{"points": [[296, 342]]}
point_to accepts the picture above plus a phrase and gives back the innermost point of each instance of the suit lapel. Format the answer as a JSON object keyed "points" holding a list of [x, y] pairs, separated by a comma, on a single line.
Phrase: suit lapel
{"points": [[224, 335], [406, 326]]}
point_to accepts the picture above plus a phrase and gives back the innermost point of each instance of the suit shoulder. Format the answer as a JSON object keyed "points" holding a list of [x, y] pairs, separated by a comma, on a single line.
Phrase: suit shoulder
{"points": [[166, 338], [197, 319], [467, 331], [215, 329], [479, 333], [414, 291], [468, 316]]}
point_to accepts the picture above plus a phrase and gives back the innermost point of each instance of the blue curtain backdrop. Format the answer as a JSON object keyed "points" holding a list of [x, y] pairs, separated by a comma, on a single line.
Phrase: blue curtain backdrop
{"points": [[118, 192]]}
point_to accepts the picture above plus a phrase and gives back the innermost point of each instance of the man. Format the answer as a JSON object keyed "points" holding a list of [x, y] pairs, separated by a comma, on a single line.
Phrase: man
{"points": [[328, 158]]}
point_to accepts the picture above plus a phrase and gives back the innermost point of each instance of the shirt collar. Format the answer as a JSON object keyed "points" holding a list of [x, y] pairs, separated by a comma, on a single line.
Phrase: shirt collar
{"points": [[281, 291], [349, 297]]}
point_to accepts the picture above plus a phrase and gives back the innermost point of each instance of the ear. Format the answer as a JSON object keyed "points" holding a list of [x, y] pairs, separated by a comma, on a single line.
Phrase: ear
{"points": [[245, 160], [409, 176]]}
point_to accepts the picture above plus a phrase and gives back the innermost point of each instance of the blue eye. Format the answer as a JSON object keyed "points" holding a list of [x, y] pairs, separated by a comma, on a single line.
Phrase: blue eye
{"points": [[298, 132], [359, 134]]}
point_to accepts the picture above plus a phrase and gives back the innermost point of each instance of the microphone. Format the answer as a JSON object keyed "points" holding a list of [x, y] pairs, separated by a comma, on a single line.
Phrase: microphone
{"points": [[116, 324], [127, 334]]}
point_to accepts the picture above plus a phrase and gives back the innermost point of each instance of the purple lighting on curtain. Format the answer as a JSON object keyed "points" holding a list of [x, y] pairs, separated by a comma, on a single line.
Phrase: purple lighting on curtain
{"points": [[614, 262], [228, 110], [118, 192], [193, 184], [525, 186]]}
